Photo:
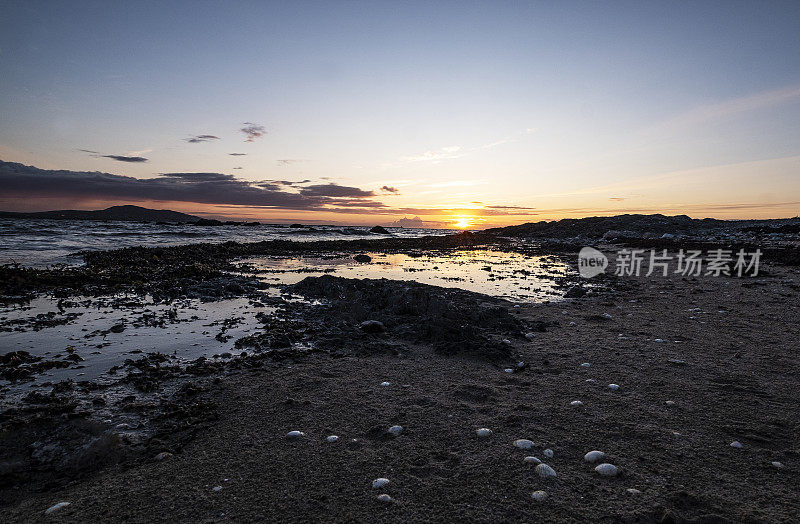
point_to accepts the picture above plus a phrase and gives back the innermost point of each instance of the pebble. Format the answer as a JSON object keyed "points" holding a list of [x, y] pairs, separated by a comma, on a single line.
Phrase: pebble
{"points": [[523, 443], [333, 438], [56, 507], [777, 464], [539, 496], [483, 432], [164, 455], [395, 430], [607, 470], [545, 471], [508, 370], [216, 488], [506, 341], [530, 336], [633, 491], [658, 340], [380, 482], [548, 453], [591, 380], [532, 459], [586, 365], [606, 315], [613, 387], [594, 456], [670, 403], [384, 384], [576, 403], [383, 497], [295, 434], [736, 444]]}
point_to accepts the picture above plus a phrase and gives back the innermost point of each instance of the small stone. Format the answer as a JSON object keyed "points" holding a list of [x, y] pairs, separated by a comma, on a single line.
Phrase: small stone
{"points": [[395, 430], [384, 384], [292, 435], [548, 453], [736, 444], [539, 496], [594, 456], [633, 491], [532, 460], [613, 387], [56, 507], [508, 370], [483, 432], [506, 342], [371, 326], [216, 488], [607, 470], [576, 403], [383, 497], [586, 365], [333, 438], [606, 315], [658, 340], [591, 380], [530, 336], [545, 471], [164, 455], [670, 403], [379, 482], [777, 464], [523, 443]]}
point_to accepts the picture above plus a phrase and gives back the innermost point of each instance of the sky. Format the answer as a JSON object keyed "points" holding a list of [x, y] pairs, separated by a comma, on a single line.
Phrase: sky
{"points": [[466, 114]]}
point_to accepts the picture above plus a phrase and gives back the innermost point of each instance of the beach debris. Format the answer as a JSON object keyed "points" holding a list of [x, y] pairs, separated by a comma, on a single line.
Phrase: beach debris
{"points": [[293, 435], [483, 432], [670, 403], [586, 365], [333, 438], [523, 443], [371, 326], [531, 459], [395, 430], [777, 464], [545, 471], [508, 370], [384, 384], [380, 482], [56, 507], [613, 387], [383, 497], [633, 491], [594, 456], [548, 453], [607, 470], [539, 496], [164, 455], [216, 488], [736, 444], [576, 403]]}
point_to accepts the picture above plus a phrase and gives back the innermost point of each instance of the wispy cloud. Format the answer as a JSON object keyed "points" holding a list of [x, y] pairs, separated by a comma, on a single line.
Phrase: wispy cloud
{"points": [[237, 154], [390, 189], [201, 138], [118, 158], [252, 131], [287, 161]]}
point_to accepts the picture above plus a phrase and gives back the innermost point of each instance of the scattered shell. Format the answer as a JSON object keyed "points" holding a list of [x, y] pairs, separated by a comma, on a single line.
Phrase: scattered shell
{"points": [[384, 384], [586, 365], [548, 453], [633, 491], [594, 456], [506, 341], [607, 470], [508, 370], [545, 471], [379, 482], [523, 443], [164, 455], [56, 507], [777, 464], [295, 434], [658, 340], [333, 438], [736, 444], [670, 403], [383, 497], [591, 380], [216, 488], [395, 430], [606, 315], [532, 459], [613, 387], [530, 336], [572, 323], [483, 432], [539, 496], [576, 403]]}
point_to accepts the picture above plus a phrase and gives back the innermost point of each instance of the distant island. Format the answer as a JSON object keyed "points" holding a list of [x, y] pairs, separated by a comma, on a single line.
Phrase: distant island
{"points": [[120, 213]]}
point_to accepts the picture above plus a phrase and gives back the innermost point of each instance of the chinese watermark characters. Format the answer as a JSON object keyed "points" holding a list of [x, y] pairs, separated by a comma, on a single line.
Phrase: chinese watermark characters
{"points": [[690, 262]]}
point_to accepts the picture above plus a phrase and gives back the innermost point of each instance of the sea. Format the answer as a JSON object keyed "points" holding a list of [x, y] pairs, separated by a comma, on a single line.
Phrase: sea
{"points": [[43, 243]]}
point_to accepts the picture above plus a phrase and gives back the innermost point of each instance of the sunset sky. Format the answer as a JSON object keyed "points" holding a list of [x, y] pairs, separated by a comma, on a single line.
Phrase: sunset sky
{"points": [[470, 114]]}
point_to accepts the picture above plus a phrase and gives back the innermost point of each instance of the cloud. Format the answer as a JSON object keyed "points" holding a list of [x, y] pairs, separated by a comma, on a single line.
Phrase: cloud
{"points": [[617, 199], [335, 190], [252, 131], [390, 189], [287, 161], [118, 158], [237, 154], [201, 138]]}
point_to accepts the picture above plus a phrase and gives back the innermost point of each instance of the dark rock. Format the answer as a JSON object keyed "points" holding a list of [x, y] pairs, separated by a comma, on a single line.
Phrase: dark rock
{"points": [[379, 229], [362, 258], [575, 292], [371, 326], [207, 222]]}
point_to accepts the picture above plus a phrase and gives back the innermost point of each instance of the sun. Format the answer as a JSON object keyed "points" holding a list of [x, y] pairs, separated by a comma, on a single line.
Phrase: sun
{"points": [[463, 222]]}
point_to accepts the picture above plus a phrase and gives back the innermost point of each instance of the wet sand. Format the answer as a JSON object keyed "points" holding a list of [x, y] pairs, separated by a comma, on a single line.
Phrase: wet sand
{"points": [[722, 349]]}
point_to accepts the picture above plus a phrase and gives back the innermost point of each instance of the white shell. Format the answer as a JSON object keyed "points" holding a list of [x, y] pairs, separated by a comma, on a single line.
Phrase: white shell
{"points": [[606, 315], [56, 507], [395, 430], [530, 336], [548, 453], [523, 443], [539, 496], [777, 464], [380, 482], [483, 432], [633, 491], [508, 370], [545, 471], [586, 365], [591, 380], [607, 470], [613, 387], [216, 488], [295, 434], [383, 497], [670, 403], [333, 438], [594, 456], [384, 384], [532, 459], [736, 444], [576, 403]]}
